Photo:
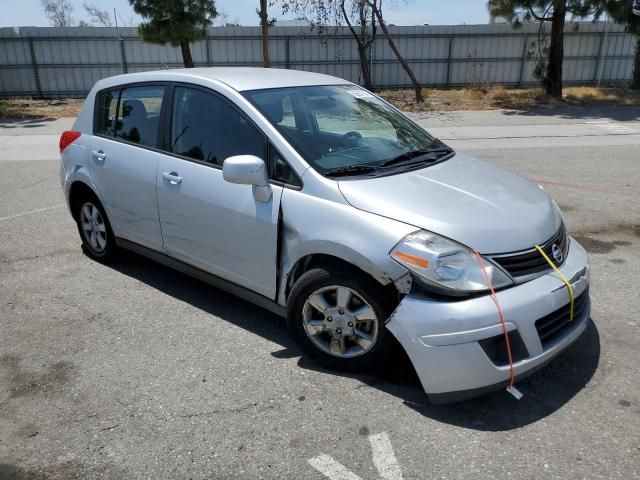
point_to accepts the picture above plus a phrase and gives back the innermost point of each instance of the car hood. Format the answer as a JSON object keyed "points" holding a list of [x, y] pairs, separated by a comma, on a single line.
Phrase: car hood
{"points": [[464, 199]]}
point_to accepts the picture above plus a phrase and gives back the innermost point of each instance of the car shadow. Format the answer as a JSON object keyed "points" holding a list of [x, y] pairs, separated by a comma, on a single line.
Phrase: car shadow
{"points": [[544, 392], [29, 122]]}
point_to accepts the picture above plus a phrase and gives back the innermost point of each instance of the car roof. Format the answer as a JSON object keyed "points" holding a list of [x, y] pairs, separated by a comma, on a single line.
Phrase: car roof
{"points": [[238, 78]]}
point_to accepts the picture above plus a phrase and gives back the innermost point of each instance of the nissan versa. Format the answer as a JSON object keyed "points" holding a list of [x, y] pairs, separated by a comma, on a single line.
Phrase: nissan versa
{"points": [[315, 199]]}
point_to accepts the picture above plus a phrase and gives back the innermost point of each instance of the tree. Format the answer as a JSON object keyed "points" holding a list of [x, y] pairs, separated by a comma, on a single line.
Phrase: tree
{"points": [[364, 36], [264, 26], [355, 13], [58, 12], [177, 22], [376, 7], [622, 12], [97, 16], [547, 11], [365, 14]]}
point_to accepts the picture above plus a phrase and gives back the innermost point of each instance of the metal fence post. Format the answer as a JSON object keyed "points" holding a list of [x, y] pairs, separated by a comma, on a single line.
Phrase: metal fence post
{"points": [[372, 59], [208, 48], [596, 71], [451, 37], [34, 66], [123, 55], [523, 62], [287, 58]]}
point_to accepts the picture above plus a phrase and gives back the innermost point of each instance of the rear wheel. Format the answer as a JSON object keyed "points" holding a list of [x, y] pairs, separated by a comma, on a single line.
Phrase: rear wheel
{"points": [[338, 318], [98, 241]]}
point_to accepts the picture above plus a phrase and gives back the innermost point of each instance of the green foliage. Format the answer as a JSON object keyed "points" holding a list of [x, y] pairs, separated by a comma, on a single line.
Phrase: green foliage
{"points": [[174, 21], [516, 11], [621, 11], [549, 50]]}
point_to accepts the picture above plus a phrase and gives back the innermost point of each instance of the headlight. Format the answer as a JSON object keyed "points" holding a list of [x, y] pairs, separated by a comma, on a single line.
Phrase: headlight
{"points": [[445, 264]]}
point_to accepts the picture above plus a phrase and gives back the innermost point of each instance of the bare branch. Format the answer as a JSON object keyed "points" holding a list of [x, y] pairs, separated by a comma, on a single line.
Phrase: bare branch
{"points": [[58, 12], [97, 16]]}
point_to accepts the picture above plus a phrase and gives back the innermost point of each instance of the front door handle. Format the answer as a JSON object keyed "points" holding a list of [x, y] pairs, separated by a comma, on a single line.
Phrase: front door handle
{"points": [[172, 177], [99, 155]]}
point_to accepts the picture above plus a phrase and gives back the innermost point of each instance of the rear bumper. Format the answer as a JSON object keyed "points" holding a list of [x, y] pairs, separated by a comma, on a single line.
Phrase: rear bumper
{"points": [[442, 338]]}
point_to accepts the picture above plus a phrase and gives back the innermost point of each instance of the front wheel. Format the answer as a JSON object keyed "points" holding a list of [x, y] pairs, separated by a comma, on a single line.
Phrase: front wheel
{"points": [[338, 317]]}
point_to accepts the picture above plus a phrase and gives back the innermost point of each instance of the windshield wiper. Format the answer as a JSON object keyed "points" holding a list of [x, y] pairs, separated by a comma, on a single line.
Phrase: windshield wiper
{"points": [[430, 154], [350, 170]]}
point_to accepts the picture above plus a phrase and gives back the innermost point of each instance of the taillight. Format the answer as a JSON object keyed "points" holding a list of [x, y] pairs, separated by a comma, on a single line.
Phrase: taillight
{"points": [[67, 138]]}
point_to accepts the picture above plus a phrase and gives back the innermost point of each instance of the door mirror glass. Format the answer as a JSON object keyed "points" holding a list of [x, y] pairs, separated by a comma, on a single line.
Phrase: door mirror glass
{"points": [[245, 170]]}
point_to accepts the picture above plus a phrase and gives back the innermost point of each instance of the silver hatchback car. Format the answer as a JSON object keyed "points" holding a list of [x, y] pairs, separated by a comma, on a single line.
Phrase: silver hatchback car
{"points": [[319, 201]]}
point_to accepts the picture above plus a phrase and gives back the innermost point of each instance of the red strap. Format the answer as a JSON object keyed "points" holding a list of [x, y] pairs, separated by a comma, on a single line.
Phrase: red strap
{"points": [[494, 297]]}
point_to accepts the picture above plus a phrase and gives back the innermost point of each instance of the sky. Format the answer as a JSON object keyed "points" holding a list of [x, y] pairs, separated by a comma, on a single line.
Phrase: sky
{"points": [[410, 12]]}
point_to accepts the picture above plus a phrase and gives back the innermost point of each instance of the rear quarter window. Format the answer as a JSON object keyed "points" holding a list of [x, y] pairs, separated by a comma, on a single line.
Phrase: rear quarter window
{"points": [[105, 119]]}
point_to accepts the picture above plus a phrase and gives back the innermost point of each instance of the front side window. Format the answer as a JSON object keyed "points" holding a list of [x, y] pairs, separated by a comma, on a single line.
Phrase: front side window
{"points": [[281, 171], [345, 129], [206, 128], [139, 114], [106, 112]]}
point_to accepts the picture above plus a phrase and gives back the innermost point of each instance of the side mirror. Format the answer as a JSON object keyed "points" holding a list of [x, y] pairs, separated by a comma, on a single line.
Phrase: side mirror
{"points": [[248, 170]]}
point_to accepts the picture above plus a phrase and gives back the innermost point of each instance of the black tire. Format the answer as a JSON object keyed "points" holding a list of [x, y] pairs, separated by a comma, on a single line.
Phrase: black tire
{"points": [[106, 253], [371, 292]]}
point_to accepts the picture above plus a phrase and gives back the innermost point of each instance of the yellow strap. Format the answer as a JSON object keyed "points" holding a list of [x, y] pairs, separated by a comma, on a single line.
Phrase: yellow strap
{"points": [[563, 278]]}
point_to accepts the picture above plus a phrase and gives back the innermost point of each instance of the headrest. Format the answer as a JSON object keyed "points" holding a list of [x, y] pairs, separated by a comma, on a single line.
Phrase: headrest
{"points": [[133, 108], [274, 110]]}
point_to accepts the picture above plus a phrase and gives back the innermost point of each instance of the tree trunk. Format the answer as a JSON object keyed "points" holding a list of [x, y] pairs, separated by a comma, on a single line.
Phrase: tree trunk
{"points": [[186, 55], [264, 25], [553, 79], [635, 83], [361, 41], [364, 66], [392, 44]]}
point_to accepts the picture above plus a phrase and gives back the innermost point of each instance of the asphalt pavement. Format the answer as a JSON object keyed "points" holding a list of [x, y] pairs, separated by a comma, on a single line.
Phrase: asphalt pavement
{"points": [[135, 371]]}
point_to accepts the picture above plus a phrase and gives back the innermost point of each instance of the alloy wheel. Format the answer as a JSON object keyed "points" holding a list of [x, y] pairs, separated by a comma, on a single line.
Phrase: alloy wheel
{"points": [[94, 229], [340, 322]]}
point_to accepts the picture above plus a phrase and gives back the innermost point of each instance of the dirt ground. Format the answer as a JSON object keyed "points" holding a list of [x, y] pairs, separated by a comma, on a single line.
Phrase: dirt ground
{"points": [[499, 97], [436, 100]]}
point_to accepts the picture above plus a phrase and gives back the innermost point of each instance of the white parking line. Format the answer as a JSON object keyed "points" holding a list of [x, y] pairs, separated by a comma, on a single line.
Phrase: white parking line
{"points": [[332, 469], [618, 128], [17, 215], [383, 458]]}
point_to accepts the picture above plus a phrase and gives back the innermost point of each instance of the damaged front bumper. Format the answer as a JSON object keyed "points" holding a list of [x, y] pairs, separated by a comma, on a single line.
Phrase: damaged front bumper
{"points": [[458, 347]]}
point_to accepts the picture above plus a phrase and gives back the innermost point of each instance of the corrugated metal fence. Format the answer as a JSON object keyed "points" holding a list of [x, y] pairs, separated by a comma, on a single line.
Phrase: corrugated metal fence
{"points": [[53, 62]]}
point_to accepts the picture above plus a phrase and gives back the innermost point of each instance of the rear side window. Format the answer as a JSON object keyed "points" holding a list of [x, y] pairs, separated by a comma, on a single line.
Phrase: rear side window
{"points": [[204, 127], [139, 115], [106, 118]]}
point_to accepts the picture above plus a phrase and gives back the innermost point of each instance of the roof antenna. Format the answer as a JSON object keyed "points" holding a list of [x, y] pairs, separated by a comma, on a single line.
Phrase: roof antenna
{"points": [[167, 68]]}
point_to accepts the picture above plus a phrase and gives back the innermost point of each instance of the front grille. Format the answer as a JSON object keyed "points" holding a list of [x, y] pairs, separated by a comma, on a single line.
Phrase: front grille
{"points": [[529, 262], [557, 324]]}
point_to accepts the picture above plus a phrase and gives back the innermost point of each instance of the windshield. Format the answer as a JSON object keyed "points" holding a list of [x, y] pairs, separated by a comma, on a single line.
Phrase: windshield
{"points": [[345, 129]]}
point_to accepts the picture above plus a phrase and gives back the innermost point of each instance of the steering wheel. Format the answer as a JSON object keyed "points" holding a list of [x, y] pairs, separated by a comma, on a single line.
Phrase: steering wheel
{"points": [[351, 137]]}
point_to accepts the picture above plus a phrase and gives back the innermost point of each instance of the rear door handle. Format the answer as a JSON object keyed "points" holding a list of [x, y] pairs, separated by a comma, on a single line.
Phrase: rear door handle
{"points": [[99, 155], [172, 177]]}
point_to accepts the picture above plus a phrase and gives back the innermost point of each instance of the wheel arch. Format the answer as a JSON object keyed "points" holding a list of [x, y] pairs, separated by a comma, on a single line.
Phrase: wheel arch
{"points": [[77, 191], [314, 260]]}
